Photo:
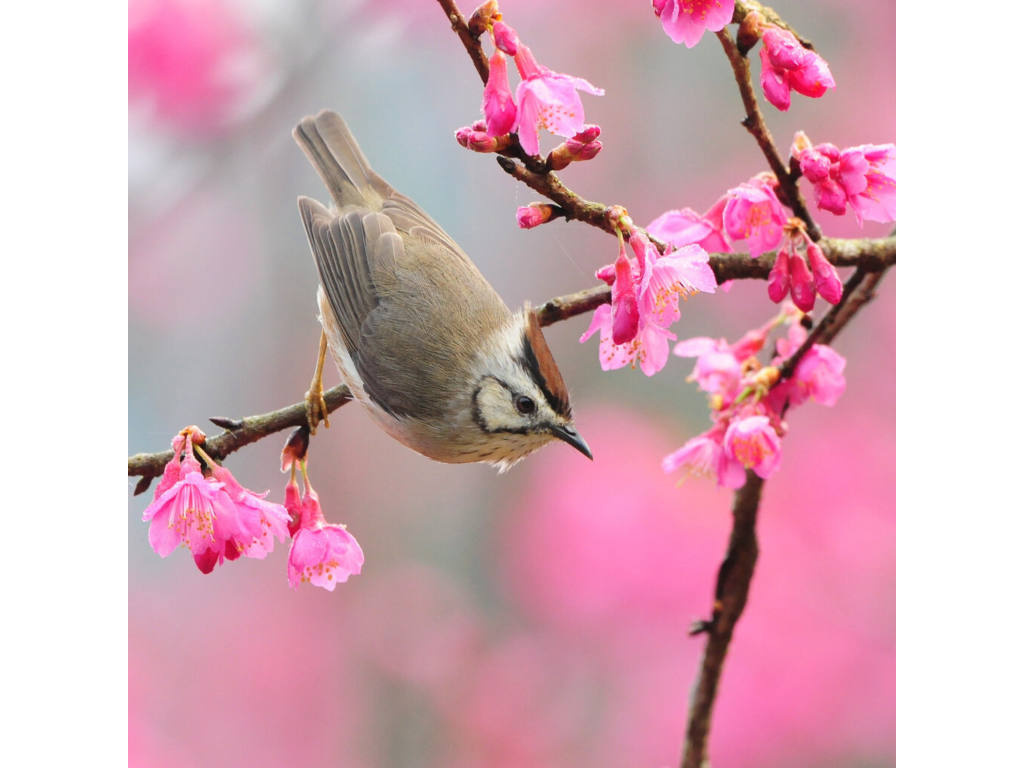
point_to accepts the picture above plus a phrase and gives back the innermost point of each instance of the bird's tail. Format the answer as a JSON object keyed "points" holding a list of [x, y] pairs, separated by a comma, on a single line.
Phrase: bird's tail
{"points": [[336, 157]]}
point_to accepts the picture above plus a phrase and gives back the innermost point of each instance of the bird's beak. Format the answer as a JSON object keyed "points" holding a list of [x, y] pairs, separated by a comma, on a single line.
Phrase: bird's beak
{"points": [[569, 434]]}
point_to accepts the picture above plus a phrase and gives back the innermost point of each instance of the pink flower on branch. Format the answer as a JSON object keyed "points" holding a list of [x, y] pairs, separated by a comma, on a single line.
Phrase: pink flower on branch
{"points": [[216, 518], [498, 106], [705, 455], [752, 212], [322, 554], [534, 214], [754, 443], [645, 301], [786, 65], [547, 100], [684, 21], [862, 177]]}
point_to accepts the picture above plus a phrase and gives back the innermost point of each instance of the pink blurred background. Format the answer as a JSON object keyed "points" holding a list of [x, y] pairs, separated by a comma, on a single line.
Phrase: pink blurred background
{"points": [[537, 618]]}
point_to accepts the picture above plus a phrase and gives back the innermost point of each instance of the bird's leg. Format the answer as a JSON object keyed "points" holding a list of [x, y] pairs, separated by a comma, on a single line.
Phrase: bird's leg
{"points": [[316, 406]]}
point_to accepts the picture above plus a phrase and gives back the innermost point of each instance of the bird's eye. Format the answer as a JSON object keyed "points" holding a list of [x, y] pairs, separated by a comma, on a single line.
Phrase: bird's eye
{"points": [[525, 405]]}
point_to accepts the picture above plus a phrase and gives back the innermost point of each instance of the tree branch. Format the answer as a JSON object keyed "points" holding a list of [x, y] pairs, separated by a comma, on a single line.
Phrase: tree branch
{"points": [[731, 590], [866, 254]]}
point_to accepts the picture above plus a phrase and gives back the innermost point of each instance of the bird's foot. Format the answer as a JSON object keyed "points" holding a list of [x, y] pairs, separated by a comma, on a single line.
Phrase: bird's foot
{"points": [[316, 406]]}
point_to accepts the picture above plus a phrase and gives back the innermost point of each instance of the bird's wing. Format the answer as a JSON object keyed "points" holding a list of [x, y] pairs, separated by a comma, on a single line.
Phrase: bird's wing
{"points": [[410, 316]]}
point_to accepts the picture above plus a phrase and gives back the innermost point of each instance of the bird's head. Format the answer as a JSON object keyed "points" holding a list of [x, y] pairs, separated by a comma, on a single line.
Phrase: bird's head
{"points": [[520, 401]]}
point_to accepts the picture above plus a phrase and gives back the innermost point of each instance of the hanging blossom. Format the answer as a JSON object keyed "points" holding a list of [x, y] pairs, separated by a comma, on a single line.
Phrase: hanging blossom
{"points": [[548, 100], [786, 65], [862, 177], [322, 554], [214, 517], [645, 300], [684, 21], [748, 401], [790, 273], [543, 99]]}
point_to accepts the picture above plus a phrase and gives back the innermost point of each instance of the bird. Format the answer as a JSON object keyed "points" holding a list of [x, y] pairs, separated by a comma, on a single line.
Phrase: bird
{"points": [[418, 335]]}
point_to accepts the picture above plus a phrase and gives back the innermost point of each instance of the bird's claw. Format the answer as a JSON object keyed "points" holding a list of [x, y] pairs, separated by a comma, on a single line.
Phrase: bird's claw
{"points": [[316, 407]]}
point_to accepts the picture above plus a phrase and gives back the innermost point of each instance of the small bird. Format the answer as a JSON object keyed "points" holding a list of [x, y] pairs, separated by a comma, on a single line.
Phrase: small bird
{"points": [[419, 336]]}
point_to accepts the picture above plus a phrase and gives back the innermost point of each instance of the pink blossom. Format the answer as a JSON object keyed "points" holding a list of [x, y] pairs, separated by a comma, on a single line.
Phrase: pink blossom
{"points": [[826, 279], [194, 511], [705, 455], [505, 38], [684, 21], [476, 138], [322, 554], [778, 278], [719, 366], [686, 227], [664, 278], [819, 376], [863, 177], [533, 215], [547, 100], [786, 65], [498, 106], [801, 283], [259, 521], [582, 146], [625, 310], [649, 348], [754, 443], [753, 213]]}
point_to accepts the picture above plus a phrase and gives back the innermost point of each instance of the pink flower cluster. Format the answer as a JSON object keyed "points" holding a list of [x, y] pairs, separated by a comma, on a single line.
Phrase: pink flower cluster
{"points": [[645, 301], [217, 520], [543, 98], [862, 177], [215, 517], [786, 65], [790, 275], [749, 213], [748, 401]]}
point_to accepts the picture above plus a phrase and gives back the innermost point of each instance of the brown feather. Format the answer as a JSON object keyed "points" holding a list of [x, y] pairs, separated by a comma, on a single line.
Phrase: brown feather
{"points": [[542, 366]]}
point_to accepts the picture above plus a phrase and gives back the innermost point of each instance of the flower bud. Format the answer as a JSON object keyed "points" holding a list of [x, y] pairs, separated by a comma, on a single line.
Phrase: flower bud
{"points": [[618, 217], [606, 273], [826, 278], [801, 284], [295, 447], [479, 141], [534, 214], [588, 133], [505, 38], [483, 17], [778, 278], [801, 142]]}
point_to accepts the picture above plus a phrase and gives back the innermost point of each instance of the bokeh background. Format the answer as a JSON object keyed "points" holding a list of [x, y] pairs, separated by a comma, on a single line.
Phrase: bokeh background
{"points": [[536, 618]]}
